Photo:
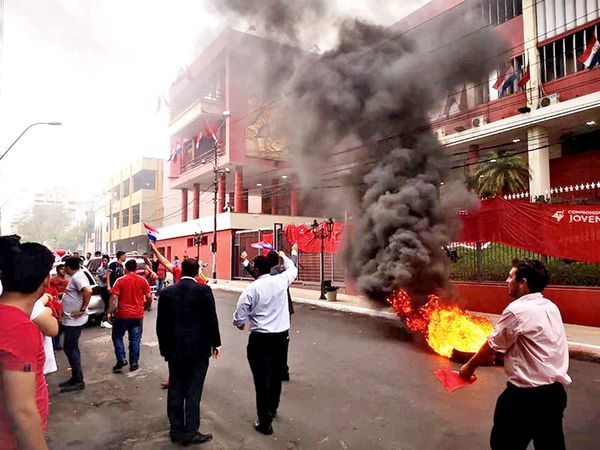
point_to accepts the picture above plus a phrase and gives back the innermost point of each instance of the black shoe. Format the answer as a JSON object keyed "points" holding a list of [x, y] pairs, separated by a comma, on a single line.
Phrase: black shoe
{"points": [[198, 438], [285, 377], [274, 414], [69, 382], [117, 367], [77, 386], [264, 429], [134, 367]]}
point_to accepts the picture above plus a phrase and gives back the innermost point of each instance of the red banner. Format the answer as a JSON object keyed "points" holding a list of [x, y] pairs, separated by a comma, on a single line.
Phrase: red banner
{"points": [[309, 243], [563, 231]]}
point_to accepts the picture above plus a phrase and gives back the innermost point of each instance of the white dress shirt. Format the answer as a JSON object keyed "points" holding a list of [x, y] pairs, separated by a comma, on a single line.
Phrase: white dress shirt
{"points": [[264, 302], [532, 336]]}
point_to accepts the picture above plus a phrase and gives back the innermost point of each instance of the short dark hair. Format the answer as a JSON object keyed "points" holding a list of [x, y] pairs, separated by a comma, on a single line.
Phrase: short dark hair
{"points": [[23, 267], [97, 253], [273, 258], [534, 271], [262, 265], [120, 253], [106, 257], [190, 267], [60, 266], [73, 263], [131, 265]]}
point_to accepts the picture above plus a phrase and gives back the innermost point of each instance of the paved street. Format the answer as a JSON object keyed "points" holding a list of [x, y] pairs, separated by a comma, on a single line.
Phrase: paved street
{"points": [[357, 383]]}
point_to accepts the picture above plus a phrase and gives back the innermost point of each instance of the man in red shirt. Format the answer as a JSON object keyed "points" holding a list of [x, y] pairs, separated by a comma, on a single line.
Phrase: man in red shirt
{"points": [[130, 294], [24, 272], [60, 281]]}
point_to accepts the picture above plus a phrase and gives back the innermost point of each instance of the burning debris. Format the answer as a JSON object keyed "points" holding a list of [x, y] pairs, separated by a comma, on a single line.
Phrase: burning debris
{"points": [[446, 328], [356, 121]]}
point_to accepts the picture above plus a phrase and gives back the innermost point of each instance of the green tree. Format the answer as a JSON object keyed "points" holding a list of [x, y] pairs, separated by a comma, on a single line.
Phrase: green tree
{"points": [[502, 175]]}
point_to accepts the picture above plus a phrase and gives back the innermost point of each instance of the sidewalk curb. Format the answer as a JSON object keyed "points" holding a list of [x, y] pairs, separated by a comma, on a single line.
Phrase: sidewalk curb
{"points": [[577, 350]]}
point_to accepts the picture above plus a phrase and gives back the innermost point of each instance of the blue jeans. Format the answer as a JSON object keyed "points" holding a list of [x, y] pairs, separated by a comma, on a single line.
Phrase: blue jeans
{"points": [[134, 328]]}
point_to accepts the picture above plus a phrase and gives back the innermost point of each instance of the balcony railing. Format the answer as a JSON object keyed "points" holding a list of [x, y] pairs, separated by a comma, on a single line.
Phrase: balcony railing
{"points": [[200, 160]]}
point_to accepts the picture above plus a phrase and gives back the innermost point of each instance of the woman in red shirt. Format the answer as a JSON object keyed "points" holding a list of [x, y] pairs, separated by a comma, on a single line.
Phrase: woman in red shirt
{"points": [[25, 273]]}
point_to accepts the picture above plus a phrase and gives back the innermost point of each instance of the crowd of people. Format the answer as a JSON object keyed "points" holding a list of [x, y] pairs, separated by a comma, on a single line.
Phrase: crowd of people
{"points": [[37, 308], [530, 333]]}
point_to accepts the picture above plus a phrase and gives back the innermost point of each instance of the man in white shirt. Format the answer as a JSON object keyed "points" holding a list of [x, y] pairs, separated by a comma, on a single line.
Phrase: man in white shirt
{"points": [[75, 301], [532, 337], [264, 304]]}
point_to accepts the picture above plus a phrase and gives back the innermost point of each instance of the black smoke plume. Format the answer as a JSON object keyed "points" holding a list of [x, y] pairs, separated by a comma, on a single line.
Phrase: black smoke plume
{"points": [[356, 121]]}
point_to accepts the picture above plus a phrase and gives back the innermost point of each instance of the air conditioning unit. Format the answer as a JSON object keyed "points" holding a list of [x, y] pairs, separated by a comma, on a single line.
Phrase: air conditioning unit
{"points": [[478, 121], [440, 133], [548, 100]]}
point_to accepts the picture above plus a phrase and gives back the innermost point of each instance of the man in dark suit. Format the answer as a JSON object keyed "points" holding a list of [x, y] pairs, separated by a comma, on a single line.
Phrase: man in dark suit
{"points": [[188, 334]]}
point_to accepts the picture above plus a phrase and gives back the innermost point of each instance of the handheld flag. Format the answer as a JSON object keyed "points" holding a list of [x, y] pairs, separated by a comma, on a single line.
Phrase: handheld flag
{"points": [[452, 380], [261, 245], [591, 56], [151, 232]]}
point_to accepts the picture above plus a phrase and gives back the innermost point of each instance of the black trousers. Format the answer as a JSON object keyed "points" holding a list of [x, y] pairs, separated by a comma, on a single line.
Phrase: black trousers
{"points": [[525, 414], [71, 349], [267, 355], [186, 380]]}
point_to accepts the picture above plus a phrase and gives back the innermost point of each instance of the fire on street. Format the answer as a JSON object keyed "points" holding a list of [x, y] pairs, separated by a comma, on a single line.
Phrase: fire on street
{"points": [[357, 383]]}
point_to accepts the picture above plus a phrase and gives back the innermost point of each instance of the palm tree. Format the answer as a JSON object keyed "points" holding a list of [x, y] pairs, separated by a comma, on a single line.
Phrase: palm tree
{"points": [[501, 175]]}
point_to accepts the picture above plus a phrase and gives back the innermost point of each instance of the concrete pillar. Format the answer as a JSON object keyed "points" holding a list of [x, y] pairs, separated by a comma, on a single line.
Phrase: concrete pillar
{"points": [[532, 55], [196, 209], [274, 194], [184, 205], [539, 161], [238, 189], [221, 193], [294, 200]]}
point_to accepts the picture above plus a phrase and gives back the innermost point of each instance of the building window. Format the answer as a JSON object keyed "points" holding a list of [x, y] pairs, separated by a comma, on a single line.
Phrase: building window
{"points": [[126, 188], [481, 91], [115, 221], [190, 242], [144, 179], [125, 217], [116, 192], [135, 214], [495, 12], [559, 58]]}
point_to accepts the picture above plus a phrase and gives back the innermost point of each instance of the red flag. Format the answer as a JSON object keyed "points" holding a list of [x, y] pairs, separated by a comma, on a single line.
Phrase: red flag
{"points": [[500, 80], [452, 380], [525, 78]]}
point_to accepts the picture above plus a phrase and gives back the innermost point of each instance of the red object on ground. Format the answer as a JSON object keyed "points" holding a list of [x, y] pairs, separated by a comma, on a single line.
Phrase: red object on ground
{"points": [[452, 380], [563, 231]]}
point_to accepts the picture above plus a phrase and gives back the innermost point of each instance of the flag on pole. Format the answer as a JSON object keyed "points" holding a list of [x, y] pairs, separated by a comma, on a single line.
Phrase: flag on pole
{"points": [[262, 245], [525, 77], [199, 139], [591, 56], [499, 80], [151, 232], [509, 78]]}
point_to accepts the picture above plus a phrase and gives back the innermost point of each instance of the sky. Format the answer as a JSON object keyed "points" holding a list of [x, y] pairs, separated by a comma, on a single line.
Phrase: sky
{"points": [[98, 67]]}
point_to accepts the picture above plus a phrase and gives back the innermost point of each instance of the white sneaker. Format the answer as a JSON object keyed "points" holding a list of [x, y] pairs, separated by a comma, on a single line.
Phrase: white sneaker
{"points": [[105, 324]]}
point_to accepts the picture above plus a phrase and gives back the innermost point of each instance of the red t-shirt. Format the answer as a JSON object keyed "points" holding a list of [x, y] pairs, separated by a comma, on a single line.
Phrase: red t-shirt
{"points": [[131, 290], [21, 349], [177, 276], [59, 283]]}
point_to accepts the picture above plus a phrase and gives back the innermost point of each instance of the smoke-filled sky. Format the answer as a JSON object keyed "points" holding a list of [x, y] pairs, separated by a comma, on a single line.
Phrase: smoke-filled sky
{"points": [[98, 66]]}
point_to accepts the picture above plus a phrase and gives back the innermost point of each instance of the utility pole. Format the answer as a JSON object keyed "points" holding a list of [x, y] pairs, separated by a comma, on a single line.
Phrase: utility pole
{"points": [[213, 247]]}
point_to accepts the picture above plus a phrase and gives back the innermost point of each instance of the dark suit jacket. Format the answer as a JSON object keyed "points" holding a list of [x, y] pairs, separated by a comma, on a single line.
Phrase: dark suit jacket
{"points": [[186, 325]]}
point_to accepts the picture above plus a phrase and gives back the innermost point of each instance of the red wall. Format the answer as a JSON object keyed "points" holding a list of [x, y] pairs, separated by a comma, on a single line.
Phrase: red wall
{"points": [[578, 305], [575, 85], [575, 169], [224, 242]]}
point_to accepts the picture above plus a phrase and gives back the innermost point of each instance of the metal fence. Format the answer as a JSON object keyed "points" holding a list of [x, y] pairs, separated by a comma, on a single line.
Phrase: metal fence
{"points": [[308, 263], [477, 261]]}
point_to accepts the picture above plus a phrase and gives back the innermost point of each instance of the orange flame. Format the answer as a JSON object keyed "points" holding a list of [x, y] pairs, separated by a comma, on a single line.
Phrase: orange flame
{"points": [[445, 327]]}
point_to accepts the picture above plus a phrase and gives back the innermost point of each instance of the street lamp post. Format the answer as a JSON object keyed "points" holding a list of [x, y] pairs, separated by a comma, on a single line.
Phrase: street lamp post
{"points": [[13, 144], [322, 231], [25, 131], [217, 172]]}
